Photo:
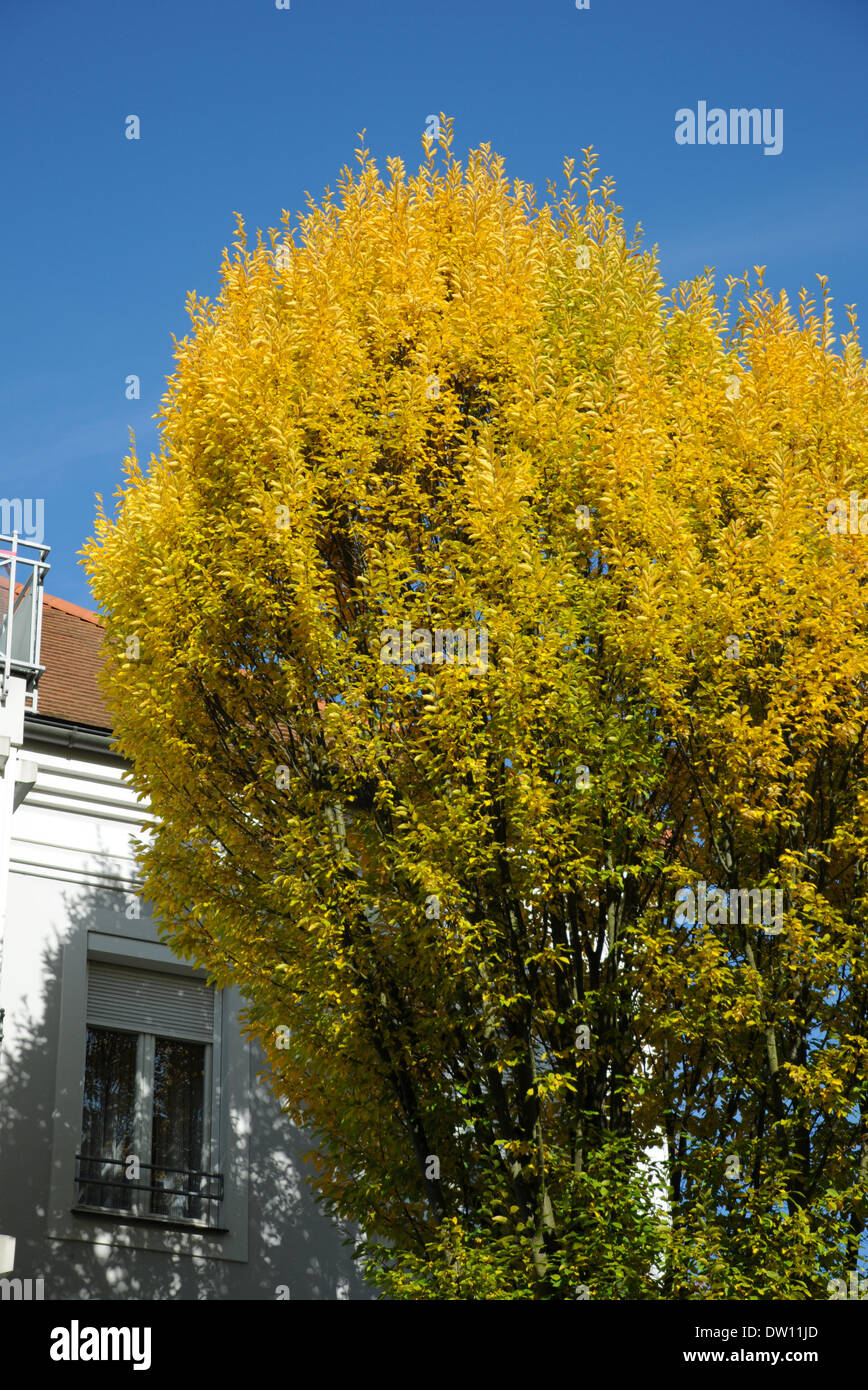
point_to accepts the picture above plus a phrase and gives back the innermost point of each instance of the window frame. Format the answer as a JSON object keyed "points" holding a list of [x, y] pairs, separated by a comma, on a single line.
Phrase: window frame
{"points": [[140, 1203], [109, 937]]}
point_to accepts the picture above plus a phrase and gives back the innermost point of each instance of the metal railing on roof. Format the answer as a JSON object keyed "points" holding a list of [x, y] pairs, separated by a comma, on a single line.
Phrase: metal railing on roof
{"points": [[23, 567]]}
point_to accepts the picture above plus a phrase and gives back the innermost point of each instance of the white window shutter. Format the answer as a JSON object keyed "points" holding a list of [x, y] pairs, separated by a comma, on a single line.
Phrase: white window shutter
{"points": [[149, 1001]]}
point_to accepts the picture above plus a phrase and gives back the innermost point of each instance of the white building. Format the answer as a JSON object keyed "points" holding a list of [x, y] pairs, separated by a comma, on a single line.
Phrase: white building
{"points": [[140, 1156]]}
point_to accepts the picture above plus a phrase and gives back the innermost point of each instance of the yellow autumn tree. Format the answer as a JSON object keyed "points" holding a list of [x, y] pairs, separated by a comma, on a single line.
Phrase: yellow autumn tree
{"points": [[497, 650]]}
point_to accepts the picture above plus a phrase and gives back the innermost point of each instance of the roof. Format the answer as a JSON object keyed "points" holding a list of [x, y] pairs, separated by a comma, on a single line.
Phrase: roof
{"points": [[71, 654]]}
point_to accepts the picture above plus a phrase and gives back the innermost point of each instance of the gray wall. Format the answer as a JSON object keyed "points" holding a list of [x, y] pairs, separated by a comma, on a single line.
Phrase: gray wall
{"points": [[290, 1240]]}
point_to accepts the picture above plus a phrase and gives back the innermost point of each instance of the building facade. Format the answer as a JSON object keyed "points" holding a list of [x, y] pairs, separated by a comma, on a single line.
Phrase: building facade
{"points": [[142, 1155]]}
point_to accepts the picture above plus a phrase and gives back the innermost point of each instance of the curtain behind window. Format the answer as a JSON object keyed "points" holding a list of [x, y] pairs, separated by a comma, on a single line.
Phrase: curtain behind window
{"points": [[179, 1095], [108, 1118]]}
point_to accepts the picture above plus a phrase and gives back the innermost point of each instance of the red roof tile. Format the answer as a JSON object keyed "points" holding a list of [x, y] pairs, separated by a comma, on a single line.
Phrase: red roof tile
{"points": [[71, 654]]}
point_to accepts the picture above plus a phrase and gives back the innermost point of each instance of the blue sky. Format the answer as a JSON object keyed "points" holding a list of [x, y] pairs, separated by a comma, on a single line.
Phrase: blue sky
{"points": [[244, 107]]}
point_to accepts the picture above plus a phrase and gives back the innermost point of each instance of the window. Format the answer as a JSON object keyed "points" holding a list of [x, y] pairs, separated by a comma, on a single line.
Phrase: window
{"points": [[122, 990], [146, 1106]]}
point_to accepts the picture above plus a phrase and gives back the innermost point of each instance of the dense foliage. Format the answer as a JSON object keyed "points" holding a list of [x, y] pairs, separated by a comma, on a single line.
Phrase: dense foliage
{"points": [[448, 888]]}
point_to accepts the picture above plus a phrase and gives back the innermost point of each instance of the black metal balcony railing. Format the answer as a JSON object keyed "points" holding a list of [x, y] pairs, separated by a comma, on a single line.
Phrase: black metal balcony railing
{"points": [[199, 1207]]}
